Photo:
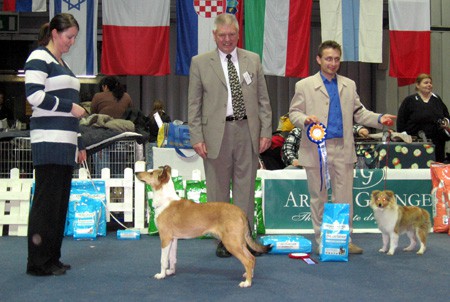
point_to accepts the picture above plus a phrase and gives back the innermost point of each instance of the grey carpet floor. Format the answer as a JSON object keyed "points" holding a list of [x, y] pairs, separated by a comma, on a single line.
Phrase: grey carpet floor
{"points": [[107, 269]]}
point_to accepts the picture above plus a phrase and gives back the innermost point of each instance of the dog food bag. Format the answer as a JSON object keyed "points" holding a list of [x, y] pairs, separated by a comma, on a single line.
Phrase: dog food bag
{"points": [[87, 216], [196, 190], [152, 228], [286, 244], [440, 179], [258, 217], [179, 186], [335, 233], [96, 195]]}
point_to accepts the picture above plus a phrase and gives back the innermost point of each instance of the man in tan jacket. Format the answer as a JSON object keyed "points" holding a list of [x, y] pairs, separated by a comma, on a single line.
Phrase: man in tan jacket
{"points": [[332, 100]]}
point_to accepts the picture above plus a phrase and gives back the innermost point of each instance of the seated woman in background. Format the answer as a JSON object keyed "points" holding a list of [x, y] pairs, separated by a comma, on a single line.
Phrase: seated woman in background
{"points": [[425, 111], [113, 100], [158, 107]]}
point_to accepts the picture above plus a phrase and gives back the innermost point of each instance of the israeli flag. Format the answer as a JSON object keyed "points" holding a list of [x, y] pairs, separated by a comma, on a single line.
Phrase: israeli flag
{"points": [[82, 57]]}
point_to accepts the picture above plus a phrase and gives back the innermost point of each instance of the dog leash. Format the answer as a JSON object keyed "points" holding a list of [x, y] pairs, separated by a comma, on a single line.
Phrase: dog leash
{"points": [[85, 166], [386, 168]]}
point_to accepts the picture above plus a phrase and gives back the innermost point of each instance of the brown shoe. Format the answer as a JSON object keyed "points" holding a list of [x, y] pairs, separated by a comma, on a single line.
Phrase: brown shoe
{"points": [[354, 249]]}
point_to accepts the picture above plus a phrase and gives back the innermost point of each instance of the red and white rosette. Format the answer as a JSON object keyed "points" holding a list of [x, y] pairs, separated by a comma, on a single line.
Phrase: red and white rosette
{"points": [[302, 256]]}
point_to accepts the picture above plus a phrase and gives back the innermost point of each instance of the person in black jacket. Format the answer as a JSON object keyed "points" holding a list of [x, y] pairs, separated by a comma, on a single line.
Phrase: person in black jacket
{"points": [[425, 111]]}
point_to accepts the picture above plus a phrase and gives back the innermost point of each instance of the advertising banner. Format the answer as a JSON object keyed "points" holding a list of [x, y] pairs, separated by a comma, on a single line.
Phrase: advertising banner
{"points": [[286, 202]]}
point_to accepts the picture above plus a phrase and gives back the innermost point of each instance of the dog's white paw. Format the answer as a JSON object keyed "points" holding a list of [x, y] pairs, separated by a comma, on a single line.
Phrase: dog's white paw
{"points": [[245, 284], [160, 276], [382, 250], [421, 251], [390, 253], [408, 249], [170, 272]]}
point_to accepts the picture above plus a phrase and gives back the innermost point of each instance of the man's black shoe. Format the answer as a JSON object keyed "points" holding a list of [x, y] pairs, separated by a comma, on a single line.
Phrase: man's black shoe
{"points": [[53, 270], [221, 251], [63, 265]]}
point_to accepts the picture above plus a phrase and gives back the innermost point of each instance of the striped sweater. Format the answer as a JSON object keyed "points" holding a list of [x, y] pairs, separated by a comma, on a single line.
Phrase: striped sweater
{"points": [[51, 89]]}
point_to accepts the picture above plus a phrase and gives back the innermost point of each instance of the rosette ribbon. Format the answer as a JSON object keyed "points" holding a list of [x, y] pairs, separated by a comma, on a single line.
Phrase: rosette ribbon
{"points": [[317, 133]]}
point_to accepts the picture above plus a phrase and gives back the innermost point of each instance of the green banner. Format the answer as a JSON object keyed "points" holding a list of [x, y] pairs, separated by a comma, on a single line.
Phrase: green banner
{"points": [[286, 199]]}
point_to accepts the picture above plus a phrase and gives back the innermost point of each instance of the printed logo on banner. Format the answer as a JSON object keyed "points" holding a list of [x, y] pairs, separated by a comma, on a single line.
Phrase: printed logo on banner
{"points": [[367, 178], [213, 8]]}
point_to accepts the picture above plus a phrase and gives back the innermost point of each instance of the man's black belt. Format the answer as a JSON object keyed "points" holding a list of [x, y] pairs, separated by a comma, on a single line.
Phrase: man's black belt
{"points": [[232, 118]]}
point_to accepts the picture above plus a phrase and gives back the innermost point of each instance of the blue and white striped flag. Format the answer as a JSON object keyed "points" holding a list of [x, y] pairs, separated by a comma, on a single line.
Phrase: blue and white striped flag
{"points": [[355, 24], [82, 57]]}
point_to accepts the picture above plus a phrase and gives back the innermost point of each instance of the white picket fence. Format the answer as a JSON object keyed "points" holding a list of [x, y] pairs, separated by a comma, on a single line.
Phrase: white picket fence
{"points": [[15, 203], [15, 194]]}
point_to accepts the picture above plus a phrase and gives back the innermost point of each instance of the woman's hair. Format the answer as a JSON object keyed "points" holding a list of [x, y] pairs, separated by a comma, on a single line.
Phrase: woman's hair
{"points": [[60, 22], [422, 77], [113, 85], [158, 106]]}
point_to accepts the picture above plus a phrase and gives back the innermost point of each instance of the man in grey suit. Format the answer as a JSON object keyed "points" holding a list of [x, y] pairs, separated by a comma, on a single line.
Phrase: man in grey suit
{"points": [[332, 100], [229, 144]]}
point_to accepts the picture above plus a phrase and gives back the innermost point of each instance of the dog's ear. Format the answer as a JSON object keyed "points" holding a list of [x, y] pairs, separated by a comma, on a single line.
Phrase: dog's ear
{"points": [[390, 194], [168, 169], [165, 174], [375, 193]]}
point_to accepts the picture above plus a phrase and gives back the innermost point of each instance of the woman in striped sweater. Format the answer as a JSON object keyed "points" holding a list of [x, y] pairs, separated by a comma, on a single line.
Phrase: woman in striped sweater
{"points": [[53, 93]]}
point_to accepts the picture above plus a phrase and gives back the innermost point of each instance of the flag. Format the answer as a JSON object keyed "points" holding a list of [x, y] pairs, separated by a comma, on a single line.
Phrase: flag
{"points": [[24, 5], [195, 21], [409, 39], [357, 25], [82, 57], [279, 31], [136, 37]]}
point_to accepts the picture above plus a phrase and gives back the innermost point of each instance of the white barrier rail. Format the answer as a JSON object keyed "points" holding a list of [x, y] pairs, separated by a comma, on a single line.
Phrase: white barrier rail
{"points": [[126, 195], [15, 203]]}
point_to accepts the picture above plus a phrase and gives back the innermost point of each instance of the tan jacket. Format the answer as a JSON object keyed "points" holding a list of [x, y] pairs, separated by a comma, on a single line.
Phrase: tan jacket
{"points": [[311, 98]]}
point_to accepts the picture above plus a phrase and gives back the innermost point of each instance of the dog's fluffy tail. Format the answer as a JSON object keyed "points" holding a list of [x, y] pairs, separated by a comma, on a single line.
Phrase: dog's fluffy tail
{"points": [[426, 225], [255, 246]]}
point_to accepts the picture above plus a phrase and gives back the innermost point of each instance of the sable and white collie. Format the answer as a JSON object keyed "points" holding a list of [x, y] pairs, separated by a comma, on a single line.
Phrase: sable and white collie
{"points": [[178, 218], [394, 220]]}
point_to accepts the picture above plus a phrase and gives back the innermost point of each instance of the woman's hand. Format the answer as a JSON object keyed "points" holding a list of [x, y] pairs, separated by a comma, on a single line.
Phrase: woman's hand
{"points": [[78, 111], [82, 156]]}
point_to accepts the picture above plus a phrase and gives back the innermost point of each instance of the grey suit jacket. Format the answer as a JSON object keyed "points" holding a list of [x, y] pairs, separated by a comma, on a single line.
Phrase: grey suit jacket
{"points": [[207, 99], [311, 98]]}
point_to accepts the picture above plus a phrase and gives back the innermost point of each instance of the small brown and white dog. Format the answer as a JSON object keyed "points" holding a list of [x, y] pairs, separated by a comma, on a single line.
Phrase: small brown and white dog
{"points": [[394, 220], [179, 218]]}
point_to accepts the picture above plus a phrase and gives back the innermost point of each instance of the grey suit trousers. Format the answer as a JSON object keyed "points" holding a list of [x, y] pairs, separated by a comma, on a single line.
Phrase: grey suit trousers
{"points": [[237, 162]]}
